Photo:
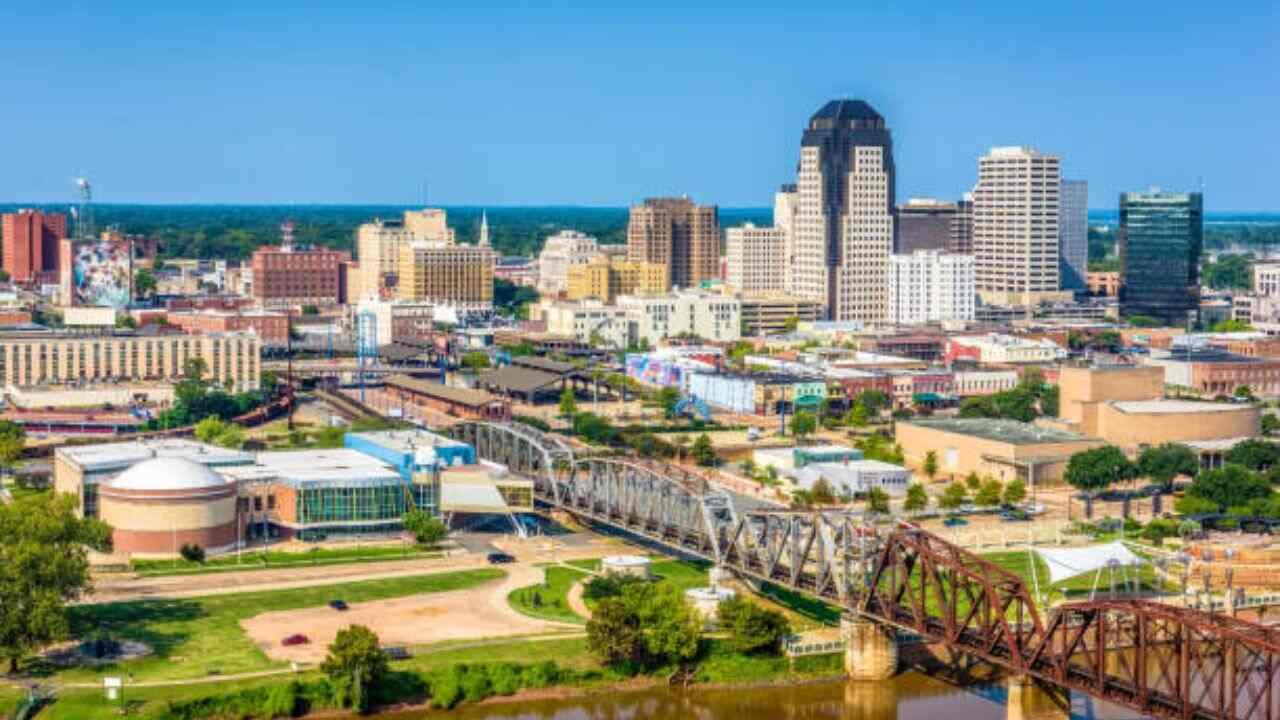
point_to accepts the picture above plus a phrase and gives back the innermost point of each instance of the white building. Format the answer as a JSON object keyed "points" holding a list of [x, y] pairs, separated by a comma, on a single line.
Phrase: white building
{"points": [[713, 317], [587, 318], [1073, 235], [997, 348], [844, 212], [1015, 227], [970, 383], [929, 286], [754, 258], [565, 248], [1266, 279], [856, 477]]}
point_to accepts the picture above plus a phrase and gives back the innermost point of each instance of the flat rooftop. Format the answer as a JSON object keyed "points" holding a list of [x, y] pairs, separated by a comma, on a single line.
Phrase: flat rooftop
{"points": [[407, 440], [1010, 431], [118, 455], [1172, 407]]}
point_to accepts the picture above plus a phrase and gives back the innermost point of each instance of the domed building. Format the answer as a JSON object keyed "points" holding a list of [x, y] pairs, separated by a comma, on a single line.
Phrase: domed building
{"points": [[161, 504]]}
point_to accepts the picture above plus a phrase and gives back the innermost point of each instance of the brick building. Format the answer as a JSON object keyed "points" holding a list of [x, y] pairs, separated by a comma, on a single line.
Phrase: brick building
{"points": [[30, 245], [288, 278], [271, 327]]}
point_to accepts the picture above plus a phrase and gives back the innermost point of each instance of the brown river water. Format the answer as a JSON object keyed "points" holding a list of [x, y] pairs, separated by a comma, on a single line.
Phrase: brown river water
{"points": [[909, 696]]}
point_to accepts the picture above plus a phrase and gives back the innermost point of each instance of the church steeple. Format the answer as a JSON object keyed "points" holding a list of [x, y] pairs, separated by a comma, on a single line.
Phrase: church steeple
{"points": [[484, 229]]}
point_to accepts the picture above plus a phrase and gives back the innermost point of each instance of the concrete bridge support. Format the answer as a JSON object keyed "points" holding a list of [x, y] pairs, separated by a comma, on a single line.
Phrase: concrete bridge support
{"points": [[871, 651], [1030, 699]]}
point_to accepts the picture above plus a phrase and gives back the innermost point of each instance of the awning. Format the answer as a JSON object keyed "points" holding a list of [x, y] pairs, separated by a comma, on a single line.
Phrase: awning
{"points": [[1068, 563]]}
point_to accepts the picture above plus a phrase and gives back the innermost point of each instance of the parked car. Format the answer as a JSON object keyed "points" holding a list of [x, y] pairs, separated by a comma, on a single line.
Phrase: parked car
{"points": [[955, 521], [500, 558], [1034, 509], [396, 652], [339, 605], [1015, 516], [295, 639]]}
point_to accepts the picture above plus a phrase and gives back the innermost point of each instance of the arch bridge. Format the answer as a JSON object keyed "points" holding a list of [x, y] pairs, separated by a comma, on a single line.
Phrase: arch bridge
{"points": [[1157, 659]]}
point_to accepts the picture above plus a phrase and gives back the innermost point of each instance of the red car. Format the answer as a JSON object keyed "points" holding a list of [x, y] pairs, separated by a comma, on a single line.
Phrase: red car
{"points": [[295, 639]]}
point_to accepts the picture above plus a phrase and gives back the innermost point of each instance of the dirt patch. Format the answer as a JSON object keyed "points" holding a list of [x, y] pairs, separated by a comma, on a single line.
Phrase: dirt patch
{"points": [[480, 612]]}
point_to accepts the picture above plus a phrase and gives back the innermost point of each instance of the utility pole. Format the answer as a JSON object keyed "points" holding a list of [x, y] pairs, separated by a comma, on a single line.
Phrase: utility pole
{"points": [[288, 314]]}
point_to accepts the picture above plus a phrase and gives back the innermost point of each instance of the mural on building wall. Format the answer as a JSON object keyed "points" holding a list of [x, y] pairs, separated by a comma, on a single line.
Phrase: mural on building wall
{"points": [[102, 273], [654, 371]]}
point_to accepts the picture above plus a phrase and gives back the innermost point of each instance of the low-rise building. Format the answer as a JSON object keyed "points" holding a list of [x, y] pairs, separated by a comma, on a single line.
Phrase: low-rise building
{"points": [[1003, 449], [758, 393], [855, 477], [708, 316], [995, 348], [974, 383], [271, 327], [773, 314], [1214, 372], [585, 320]]}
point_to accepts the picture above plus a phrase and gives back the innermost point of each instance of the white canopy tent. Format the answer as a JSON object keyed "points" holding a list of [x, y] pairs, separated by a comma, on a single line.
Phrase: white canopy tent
{"points": [[1064, 563]]}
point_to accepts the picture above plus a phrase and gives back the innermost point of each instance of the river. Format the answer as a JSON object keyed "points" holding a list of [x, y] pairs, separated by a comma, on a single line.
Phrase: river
{"points": [[909, 696]]}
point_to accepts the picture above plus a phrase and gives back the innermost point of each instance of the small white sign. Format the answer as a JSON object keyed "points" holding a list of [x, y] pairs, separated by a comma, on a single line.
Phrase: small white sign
{"points": [[112, 682]]}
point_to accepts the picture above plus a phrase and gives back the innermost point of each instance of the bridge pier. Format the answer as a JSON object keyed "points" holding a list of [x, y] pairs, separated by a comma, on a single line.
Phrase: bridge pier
{"points": [[871, 652], [1030, 699]]}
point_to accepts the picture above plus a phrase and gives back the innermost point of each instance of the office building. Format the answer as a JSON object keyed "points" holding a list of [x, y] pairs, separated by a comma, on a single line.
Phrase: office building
{"points": [[925, 224], [679, 234], [1073, 235], [272, 328], [446, 274], [928, 286], [587, 320], [686, 313], [286, 277], [773, 314], [45, 358], [31, 241], [1161, 236], [844, 231], [1015, 227], [378, 245], [755, 258], [560, 252], [605, 278], [962, 226]]}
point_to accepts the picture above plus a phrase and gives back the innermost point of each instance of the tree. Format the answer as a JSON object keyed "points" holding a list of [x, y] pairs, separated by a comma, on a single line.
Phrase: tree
{"points": [[194, 369], [857, 416], [917, 498], [1163, 463], [231, 437], [568, 404], [356, 663], [1015, 491], [475, 361], [667, 398], [13, 438], [44, 567], [803, 424], [703, 453], [953, 497], [126, 322], [1098, 468], [791, 323], [1270, 423], [752, 629], [930, 466], [1191, 505], [873, 400], [645, 626], [426, 530], [144, 283], [310, 309], [989, 494], [1229, 486], [821, 492], [1244, 392], [210, 428], [1254, 454], [878, 501], [192, 553], [972, 481]]}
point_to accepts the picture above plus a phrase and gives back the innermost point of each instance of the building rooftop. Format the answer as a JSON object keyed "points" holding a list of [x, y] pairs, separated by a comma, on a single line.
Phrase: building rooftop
{"points": [[312, 469], [167, 473], [407, 440], [462, 396], [1010, 431], [1172, 407], [111, 456]]}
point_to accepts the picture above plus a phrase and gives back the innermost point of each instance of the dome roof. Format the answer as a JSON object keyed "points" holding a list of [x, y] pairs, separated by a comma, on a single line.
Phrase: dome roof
{"points": [[167, 473]]}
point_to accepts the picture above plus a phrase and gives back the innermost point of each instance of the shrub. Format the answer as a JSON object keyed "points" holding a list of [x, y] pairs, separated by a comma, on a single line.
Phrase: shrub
{"points": [[282, 701], [446, 686], [192, 553], [475, 684], [505, 678], [606, 585], [543, 674]]}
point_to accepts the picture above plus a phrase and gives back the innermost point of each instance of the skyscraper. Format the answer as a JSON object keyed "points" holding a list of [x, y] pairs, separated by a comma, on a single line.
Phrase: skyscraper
{"points": [[1015, 227], [679, 234], [962, 226], [844, 229], [1161, 236], [30, 245], [1073, 234], [925, 224]]}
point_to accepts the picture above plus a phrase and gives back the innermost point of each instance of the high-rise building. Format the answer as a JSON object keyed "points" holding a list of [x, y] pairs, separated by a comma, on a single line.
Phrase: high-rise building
{"points": [[560, 252], [1015, 227], [679, 234], [285, 276], [605, 278], [925, 224], [378, 244], [962, 226], [1073, 233], [844, 229], [456, 275], [755, 257], [1161, 236], [929, 286], [30, 245]]}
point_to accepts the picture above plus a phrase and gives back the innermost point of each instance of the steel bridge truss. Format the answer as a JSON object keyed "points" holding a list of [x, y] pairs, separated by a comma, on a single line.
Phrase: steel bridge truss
{"points": [[1160, 660]]}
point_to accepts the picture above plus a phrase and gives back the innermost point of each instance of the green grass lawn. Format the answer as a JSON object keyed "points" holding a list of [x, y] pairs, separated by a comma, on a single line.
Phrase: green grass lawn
{"points": [[1020, 563], [275, 559], [91, 704], [719, 664], [198, 637], [549, 601]]}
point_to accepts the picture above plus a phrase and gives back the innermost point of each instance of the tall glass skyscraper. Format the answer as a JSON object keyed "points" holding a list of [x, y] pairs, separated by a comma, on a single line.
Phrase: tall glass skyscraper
{"points": [[1161, 236]]}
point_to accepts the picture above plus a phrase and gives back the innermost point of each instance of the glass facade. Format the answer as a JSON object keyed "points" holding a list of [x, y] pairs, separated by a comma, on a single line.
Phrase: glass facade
{"points": [[356, 504], [1161, 236]]}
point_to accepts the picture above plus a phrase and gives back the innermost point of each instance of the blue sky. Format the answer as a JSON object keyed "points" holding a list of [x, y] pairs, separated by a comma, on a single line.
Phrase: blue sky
{"points": [[602, 104]]}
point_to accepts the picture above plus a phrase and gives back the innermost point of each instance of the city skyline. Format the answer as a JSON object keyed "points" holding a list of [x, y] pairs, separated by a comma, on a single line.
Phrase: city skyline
{"points": [[363, 107]]}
